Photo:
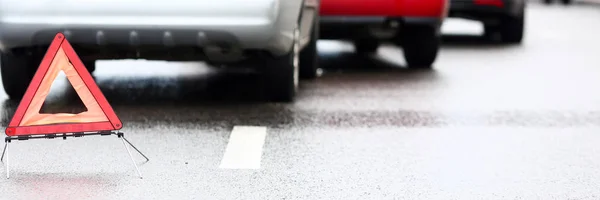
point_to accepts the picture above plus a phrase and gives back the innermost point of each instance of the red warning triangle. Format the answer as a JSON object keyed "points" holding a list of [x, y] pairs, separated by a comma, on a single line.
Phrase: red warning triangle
{"points": [[29, 121]]}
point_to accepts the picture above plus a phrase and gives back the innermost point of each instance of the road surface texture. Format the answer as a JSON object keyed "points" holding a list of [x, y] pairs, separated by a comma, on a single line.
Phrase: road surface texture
{"points": [[490, 122]]}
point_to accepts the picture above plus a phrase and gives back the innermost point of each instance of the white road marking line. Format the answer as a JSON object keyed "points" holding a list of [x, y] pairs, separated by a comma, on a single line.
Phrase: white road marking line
{"points": [[244, 150]]}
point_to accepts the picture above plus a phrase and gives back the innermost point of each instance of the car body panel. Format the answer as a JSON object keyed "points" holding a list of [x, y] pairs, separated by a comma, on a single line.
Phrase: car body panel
{"points": [[237, 24]]}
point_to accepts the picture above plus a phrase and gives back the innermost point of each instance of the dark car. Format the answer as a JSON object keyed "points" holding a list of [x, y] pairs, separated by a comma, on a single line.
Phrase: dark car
{"points": [[505, 18]]}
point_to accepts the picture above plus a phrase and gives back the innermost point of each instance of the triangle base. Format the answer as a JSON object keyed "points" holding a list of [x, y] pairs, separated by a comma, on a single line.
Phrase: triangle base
{"points": [[60, 128]]}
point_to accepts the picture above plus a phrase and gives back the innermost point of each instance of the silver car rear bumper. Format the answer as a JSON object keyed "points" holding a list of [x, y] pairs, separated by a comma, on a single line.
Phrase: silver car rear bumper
{"points": [[235, 23]]}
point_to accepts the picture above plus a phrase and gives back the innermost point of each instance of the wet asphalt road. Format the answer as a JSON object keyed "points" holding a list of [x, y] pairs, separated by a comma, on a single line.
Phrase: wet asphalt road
{"points": [[490, 122]]}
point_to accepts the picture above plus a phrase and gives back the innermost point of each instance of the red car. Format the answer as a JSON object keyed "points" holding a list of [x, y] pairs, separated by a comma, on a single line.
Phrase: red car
{"points": [[412, 24]]}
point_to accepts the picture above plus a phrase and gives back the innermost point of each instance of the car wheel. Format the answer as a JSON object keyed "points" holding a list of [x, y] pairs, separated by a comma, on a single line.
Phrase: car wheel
{"points": [[366, 46], [567, 2], [282, 73], [17, 72], [548, 1], [309, 58], [90, 65], [512, 29], [420, 45]]}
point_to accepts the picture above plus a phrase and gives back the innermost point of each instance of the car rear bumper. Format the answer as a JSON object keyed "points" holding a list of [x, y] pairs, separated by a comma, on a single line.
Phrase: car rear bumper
{"points": [[353, 20], [353, 27], [246, 33], [238, 23]]}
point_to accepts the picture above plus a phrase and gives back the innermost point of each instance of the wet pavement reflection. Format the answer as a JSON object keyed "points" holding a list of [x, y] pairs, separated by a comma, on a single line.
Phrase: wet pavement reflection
{"points": [[490, 121]]}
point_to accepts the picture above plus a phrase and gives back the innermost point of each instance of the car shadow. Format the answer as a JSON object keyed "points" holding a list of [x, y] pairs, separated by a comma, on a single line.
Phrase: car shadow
{"points": [[464, 41], [225, 98]]}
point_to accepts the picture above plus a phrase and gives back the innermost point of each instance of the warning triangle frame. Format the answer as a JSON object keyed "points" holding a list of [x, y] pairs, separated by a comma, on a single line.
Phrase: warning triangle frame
{"points": [[63, 130], [60, 41]]}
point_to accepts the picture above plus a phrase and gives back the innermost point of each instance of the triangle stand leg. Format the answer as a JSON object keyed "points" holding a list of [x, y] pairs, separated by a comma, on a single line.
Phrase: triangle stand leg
{"points": [[147, 159], [125, 143], [6, 153]]}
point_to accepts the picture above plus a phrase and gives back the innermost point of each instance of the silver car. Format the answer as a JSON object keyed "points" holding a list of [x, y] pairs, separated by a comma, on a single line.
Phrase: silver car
{"points": [[277, 36]]}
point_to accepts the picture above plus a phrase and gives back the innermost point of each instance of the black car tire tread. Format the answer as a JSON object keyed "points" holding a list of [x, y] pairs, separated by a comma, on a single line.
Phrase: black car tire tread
{"points": [[309, 58], [279, 78], [512, 29], [90, 65], [420, 45], [17, 72]]}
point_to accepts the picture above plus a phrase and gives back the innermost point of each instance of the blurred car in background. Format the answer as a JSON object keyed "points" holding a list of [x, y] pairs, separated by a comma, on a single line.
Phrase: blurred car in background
{"points": [[413, 25], [501, 17], [279, 35]]}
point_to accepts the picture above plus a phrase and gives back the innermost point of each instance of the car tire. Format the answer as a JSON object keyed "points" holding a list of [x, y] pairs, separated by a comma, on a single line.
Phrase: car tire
{"points": [[282, 74], [309, 57], [420, 45], [90, 65], [366, 46], [566, 2], [512, 29], [548, 1], [17, 72]]}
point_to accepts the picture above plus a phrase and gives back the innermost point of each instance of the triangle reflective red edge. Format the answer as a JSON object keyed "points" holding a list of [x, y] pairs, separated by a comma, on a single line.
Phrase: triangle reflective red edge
{"points": [[59, 41]]}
